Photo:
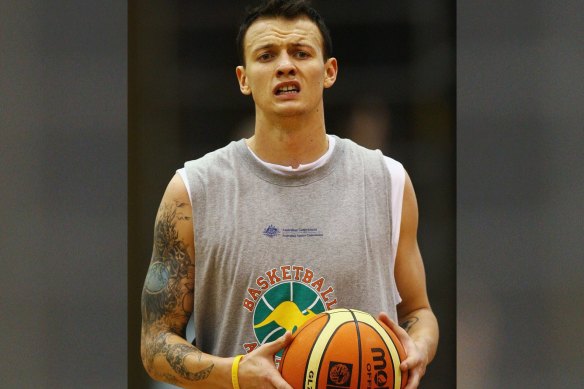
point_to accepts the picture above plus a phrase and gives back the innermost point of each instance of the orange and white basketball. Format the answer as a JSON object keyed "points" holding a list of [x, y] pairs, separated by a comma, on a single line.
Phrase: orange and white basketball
{"points": [[343, 348]]}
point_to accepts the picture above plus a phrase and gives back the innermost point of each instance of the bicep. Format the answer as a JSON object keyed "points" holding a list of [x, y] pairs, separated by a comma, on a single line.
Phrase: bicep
{"points": [[167, 296], [409, 268]]}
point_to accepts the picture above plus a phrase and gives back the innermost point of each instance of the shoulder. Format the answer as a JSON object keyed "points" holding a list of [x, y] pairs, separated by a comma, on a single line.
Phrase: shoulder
{"points": [[394, 166], [375, 158], [176, 191], [397, 172], [350, 146], [218, 166], [217, 159], [356, 155], [175, 210], [410, 205]]}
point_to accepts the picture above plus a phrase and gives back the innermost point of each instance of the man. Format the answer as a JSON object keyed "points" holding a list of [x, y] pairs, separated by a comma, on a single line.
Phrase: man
{"points": [[267, 231]]}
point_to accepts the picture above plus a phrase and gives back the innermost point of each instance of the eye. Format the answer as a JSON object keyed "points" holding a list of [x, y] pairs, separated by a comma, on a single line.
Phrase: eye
{"points": [[302, 54], [263, 57]]}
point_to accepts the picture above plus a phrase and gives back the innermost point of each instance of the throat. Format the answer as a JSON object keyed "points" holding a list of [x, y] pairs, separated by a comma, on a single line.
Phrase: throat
{"points": [[289, 154]]}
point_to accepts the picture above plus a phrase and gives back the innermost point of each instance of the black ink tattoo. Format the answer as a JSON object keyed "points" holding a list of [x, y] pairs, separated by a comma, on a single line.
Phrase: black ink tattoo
{"points": [[167, 297], [180, 215], [203, 373], [157, 278], [176, 356], [153, 347], [407, 324], [170, 277], [170, 379]]}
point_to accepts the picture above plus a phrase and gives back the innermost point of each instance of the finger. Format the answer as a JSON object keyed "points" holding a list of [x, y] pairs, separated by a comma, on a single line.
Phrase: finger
{"points": [[396, 328], [384, 318], [272, 348], [410, 361], [403, 337], [413, 361], [413, 380]]}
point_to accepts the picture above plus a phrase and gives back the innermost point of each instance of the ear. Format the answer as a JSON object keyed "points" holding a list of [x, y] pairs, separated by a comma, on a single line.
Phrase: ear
{"points": [[331, 69], [242, 79]]}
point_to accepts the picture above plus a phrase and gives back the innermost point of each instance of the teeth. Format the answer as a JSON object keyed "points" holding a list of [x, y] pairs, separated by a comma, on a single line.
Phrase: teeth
{"points": [[287, 88]]}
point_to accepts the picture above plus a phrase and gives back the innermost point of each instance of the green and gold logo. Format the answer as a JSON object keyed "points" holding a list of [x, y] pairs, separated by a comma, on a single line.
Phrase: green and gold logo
{"points": [[284, 299]]}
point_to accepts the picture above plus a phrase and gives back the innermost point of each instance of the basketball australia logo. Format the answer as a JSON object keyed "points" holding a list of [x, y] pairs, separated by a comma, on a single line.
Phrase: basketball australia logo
{"points": [[282, 299], [339, 375]]}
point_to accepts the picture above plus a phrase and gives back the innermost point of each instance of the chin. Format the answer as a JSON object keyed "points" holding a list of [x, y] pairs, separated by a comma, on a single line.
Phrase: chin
{"points": [[289, 111]]}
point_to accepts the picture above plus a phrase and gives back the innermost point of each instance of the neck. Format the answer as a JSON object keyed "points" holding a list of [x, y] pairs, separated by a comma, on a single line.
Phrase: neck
{"points": [[289, 143]]}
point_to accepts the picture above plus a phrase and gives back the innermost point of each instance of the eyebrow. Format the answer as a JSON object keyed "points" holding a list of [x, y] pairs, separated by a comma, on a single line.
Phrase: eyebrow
{"points": [[271, 45], [262, 47]]}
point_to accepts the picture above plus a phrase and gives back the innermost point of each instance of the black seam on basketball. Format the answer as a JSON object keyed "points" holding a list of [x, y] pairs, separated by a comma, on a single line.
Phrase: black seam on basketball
{"points": [[392, 361], [330, 339], [328, 318], [389, 352], [281, 366], [320, 367], [390, 357], [358, 346]]}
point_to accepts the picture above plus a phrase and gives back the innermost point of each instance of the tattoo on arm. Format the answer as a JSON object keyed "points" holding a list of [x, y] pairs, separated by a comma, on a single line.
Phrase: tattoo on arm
{"points": [[175, 355], [169, 285], [176, 358], [408, 324], [167, 296]]}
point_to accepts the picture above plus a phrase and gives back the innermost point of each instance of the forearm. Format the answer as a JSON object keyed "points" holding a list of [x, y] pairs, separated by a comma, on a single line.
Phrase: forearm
{"points": [[422, 326], [170, 358]]}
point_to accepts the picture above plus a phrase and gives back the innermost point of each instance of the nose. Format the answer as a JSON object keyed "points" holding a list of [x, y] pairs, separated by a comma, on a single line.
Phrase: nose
{"points": [[285, 66]]}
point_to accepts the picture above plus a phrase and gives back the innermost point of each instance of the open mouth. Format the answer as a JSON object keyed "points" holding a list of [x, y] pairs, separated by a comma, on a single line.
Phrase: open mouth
{"points": [[286, 89]]}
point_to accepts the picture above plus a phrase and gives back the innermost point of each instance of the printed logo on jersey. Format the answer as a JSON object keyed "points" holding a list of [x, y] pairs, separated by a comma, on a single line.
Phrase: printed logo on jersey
{"points": [[282, 299], [272, 231]]}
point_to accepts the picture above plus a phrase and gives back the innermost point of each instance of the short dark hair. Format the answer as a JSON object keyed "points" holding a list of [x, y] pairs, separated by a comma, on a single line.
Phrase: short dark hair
{"points": [[288, 9]]}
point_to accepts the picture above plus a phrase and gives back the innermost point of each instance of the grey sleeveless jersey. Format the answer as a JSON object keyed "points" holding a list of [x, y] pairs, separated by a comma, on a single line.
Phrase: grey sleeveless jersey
{"points": [[273, 250]]}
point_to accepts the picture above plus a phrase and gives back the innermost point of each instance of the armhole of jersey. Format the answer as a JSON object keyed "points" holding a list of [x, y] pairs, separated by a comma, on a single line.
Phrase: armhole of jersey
{"points": [[398, 182], [183, 174], [190, 332]]}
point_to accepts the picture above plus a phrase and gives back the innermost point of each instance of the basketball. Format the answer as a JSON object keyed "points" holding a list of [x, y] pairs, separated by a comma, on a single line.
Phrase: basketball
{"points": [[343, 348]]}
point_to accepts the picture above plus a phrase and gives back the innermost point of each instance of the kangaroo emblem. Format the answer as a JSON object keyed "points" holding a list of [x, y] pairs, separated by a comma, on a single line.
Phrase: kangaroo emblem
{"points": [[287, 315]]}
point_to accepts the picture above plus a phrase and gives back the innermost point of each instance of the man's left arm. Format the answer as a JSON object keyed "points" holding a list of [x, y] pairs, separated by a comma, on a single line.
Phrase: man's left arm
{"points": [[418, 327]]}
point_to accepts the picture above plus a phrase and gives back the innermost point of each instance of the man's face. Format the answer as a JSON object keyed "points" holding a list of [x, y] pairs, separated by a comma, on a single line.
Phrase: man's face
{"points": [[285, 70]]}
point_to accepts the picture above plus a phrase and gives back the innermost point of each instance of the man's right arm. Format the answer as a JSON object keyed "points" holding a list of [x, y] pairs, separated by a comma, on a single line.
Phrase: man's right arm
{"points": [[167, 299], [168, 302]]}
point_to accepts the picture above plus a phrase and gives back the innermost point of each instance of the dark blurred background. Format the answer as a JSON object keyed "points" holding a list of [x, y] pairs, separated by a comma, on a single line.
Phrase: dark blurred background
{"points": [[64, 158], [395, 92], [63, 194], [520, 194]]}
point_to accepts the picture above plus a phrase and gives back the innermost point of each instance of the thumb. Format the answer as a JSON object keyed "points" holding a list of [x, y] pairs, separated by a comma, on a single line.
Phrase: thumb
{"points": [[400, 332], [278, 344], [402, 335], [384, 318]]}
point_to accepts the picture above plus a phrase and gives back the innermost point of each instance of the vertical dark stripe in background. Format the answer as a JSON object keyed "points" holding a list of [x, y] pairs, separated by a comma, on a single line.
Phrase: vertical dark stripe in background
{"points": [[63, 194], [520, 211]]}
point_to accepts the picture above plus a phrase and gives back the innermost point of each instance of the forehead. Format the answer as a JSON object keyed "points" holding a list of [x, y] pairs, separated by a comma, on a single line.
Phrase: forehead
{"points": [[278, 31]]}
